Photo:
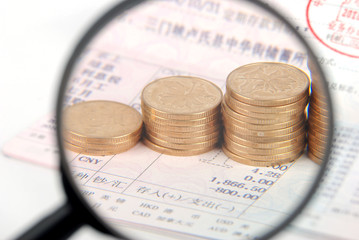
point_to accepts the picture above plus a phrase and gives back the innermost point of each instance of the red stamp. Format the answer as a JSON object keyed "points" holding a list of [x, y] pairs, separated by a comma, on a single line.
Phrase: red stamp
{"points": [[335, 23]]}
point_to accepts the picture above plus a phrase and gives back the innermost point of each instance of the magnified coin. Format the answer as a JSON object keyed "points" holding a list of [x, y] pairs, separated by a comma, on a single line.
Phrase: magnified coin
{"points": [[182, 101], [189, 119], [101, 127]]}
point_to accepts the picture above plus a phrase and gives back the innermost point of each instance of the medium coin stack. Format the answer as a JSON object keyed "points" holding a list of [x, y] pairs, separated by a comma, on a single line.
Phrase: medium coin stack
{"points": [[264, 114], [181, 115], [318, 119], [101, 127]]}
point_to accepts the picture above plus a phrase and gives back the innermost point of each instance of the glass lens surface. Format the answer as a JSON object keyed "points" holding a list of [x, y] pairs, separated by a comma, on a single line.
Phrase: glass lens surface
{"points": [[190, 119]]}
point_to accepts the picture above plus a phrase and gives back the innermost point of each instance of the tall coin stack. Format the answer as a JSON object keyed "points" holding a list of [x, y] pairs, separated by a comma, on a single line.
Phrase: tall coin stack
{"points": [[101, 127], [318, 119], [264, 114], [181, 115]]}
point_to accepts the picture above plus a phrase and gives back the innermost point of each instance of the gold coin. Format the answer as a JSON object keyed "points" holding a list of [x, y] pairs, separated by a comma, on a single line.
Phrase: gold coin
{"points": [[268, 84], [318, 135], [97, 151], [266, 112], [318, 92], [260, 127], [180, 146], [315, 114], [258, 163], [227, 110], [314, 141], [319, 148], [154, 125], [283, 116], [176, 152], [321, 110], [259, 139], [314, 158], [295, 140], [116, 140], [181, 97], [260, 151], [320, 101], [182, 134], [105, 146], [264, 157], [172, 122], [320, 129], [151, 111], [185, 140], [317, 153], [321, 124], [268, 133], [101, 121]]}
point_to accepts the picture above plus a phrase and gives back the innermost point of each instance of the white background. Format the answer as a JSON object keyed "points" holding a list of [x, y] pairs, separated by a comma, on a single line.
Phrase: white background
{"points": [[36, 39]]}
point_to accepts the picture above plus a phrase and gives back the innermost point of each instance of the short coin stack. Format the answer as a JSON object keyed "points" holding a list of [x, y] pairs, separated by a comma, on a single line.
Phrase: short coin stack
{"points": [[101, 127], [264, 114], [318, 119], [181, 115]]}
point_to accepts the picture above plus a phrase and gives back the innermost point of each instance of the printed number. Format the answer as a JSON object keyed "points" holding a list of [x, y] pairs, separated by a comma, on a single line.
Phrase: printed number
{"points": [[250, 196], [258, 189], [248, 178], [227, 191], [280, 167], [233, 184], [235, 193], [273, 174], [265, 181]]}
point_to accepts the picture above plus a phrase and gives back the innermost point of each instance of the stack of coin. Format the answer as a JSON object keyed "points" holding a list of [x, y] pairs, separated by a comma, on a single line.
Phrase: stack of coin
{"points": [[264, 114], [181, 115], [101, 127], [318, 119]]}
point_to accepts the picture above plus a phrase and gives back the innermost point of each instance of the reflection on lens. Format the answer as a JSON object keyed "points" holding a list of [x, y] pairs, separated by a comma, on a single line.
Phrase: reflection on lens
{"points": [[155, 147]]}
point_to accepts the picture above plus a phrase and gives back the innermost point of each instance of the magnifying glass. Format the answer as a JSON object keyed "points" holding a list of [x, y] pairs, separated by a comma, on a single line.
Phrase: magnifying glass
{"points": [[189, 119]]}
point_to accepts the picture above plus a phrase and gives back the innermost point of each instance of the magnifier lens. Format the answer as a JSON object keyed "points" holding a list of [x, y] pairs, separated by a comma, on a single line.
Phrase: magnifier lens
{"points": [[201, 164]]}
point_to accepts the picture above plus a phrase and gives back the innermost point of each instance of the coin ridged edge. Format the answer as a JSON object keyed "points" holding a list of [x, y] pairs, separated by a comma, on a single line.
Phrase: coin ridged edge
{"points": [[249, 143], [261, 151], [258, 163], [151, 124], [97, 152], [101, 146], [265, 157], [262, 112], [261, 127], [227, 110], [270, 139], [314, 158], [182, 146], [176, 152], [112, 140], [185, 140], [264, 133], [173, 122]]}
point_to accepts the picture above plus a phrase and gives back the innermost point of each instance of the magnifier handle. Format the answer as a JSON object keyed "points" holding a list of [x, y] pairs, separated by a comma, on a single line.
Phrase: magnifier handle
{"points": [[58, 225]]}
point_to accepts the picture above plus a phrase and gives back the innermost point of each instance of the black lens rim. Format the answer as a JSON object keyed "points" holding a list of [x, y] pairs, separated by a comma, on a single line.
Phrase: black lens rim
{"points": [[70, 186]]}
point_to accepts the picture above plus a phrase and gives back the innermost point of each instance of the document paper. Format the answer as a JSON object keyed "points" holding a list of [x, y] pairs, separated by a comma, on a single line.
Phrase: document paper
{"points": [[217, 190]]}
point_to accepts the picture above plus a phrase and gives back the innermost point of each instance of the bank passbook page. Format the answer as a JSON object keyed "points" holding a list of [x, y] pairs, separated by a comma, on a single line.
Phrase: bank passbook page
{"points": [[211, 190]]}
